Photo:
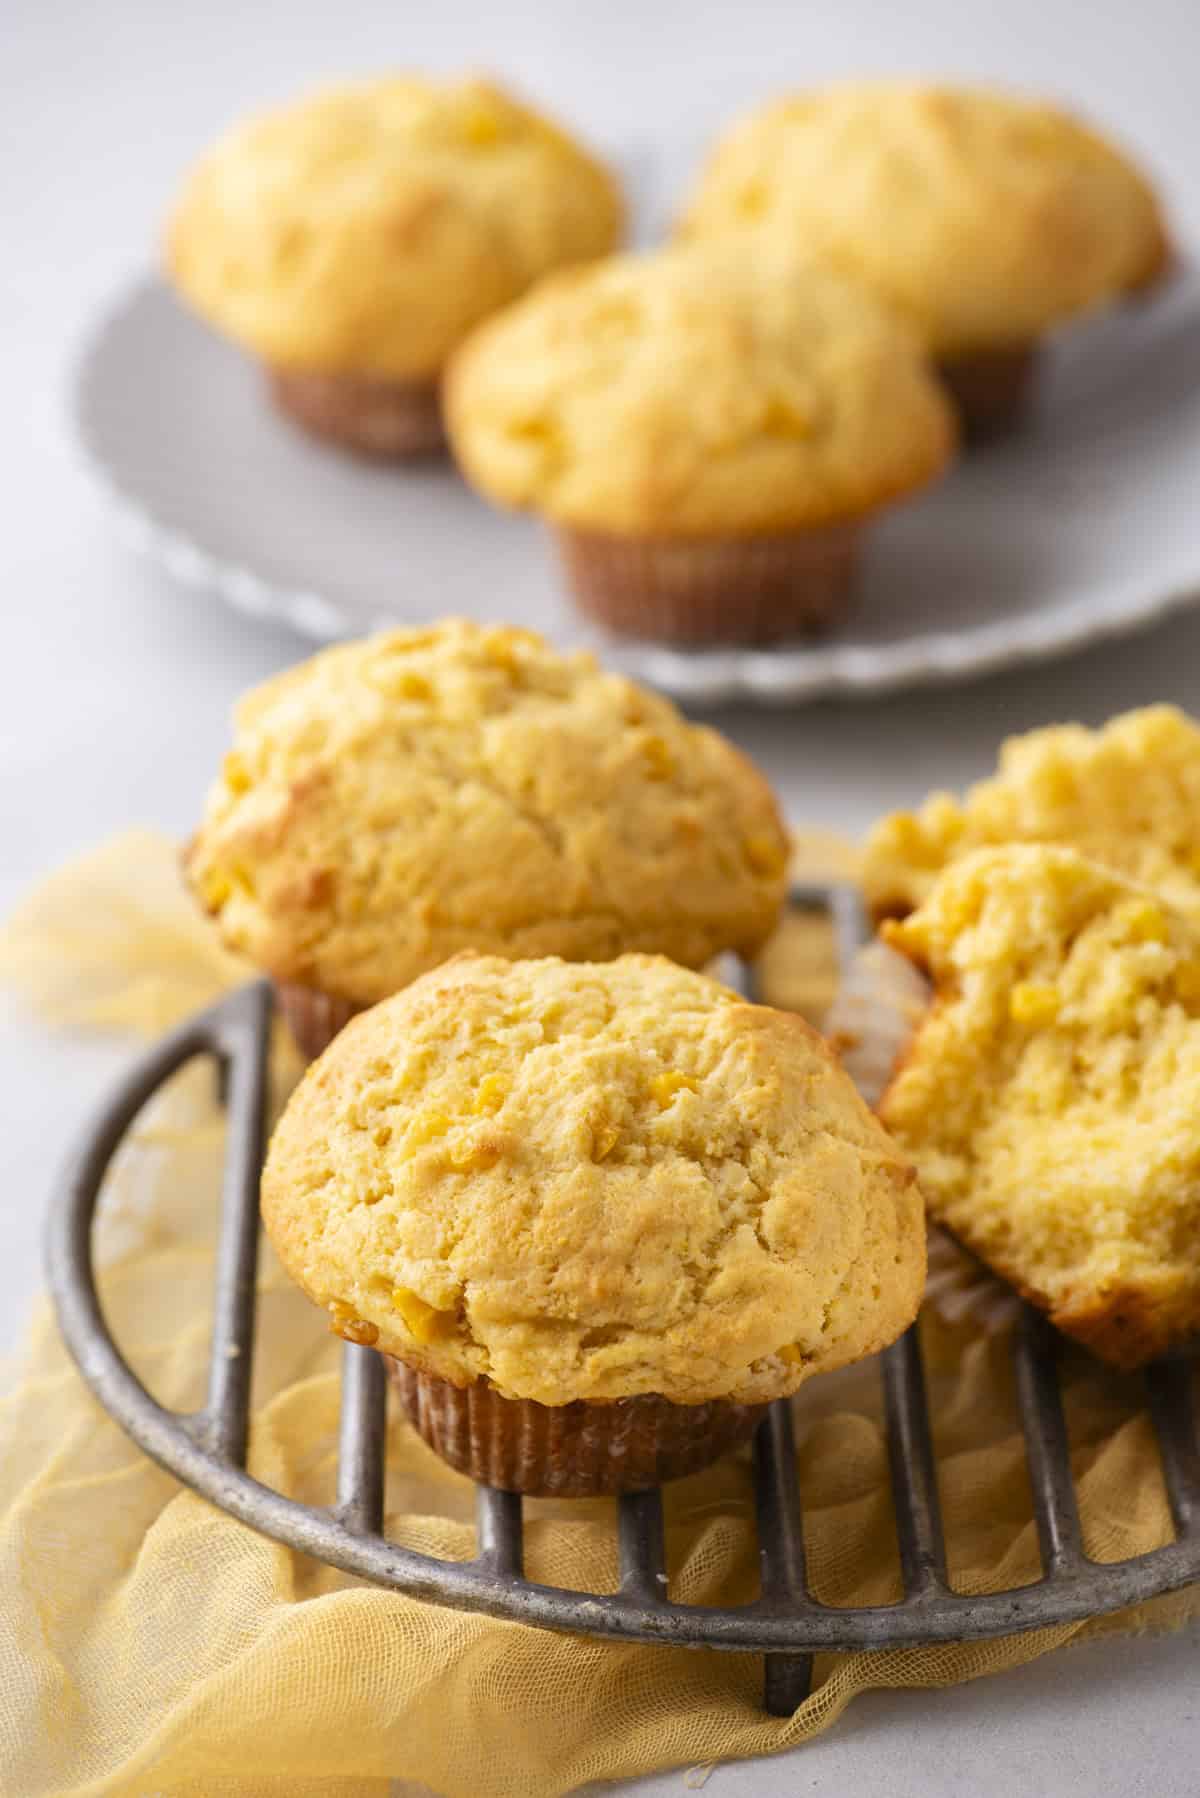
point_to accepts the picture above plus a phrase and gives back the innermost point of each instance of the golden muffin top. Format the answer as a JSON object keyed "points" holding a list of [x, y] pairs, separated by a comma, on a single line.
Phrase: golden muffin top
{"points": [[365, 229], [392, 801], [696, 393], [1050, 1098], [590, 1181], [1127, 796], [983, 218]]}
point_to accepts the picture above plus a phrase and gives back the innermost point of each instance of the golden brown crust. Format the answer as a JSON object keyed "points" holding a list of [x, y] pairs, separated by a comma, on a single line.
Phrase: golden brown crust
{"points": [[593, 1182], [1048, 1097], [393, 801], [983, 218], [697, 394], [1126, 1324], [366, 229]]}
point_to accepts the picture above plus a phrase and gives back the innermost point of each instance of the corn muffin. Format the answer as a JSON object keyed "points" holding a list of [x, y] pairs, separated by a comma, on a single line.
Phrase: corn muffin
{"points": [[705, 434], [985, 219], [1127, 796], [1051, 1098], [392, 801], [599, 1214], [352, 239]]}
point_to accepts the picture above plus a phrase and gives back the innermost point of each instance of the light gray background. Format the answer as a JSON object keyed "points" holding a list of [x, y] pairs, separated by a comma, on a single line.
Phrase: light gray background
{"points": [[116, 687]]}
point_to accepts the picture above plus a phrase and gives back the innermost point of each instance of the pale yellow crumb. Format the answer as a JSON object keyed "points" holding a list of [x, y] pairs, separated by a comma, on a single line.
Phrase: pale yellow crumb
{"points": [[1050, 1098]]}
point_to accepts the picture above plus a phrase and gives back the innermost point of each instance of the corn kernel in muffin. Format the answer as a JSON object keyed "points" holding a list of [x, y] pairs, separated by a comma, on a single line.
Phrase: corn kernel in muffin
{"points": [[1051, 1097]]}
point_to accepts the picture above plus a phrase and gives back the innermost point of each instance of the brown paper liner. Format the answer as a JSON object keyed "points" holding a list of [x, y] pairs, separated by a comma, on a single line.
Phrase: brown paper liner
{"points": [[735, 590], [580, 1450], [993, 390], [384, 420], [313, 1018]]}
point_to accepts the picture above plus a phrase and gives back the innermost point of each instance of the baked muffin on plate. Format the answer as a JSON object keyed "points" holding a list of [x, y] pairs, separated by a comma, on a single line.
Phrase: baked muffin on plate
{"points": [[392, 801], [597, 1215], [1050, 1098], [351, 239], [985, 219], [706, 433], [1127, 796]]}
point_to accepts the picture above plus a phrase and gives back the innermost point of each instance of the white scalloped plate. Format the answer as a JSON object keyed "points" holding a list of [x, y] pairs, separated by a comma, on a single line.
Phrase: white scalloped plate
{"points": [[1086, 527]]}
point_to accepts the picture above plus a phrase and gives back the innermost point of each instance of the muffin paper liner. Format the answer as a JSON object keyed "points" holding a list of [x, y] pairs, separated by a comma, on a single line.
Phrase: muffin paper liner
{"points": [[871, 1022], [878, 1006], [314, 1018], [962, 1290], [579, 1450], [735, 590], [383, 420], [993, 390]]}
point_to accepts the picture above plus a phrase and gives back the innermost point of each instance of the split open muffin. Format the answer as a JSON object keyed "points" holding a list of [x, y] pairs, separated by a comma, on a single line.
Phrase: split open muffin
{"points": [[1049, 1099], [598, 1215], [1127, 796]]}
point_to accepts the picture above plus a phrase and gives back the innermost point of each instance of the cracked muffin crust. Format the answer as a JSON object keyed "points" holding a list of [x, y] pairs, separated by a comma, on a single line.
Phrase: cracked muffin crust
{"points": [[594, 1182], [392, 801], [1049, 1098]]}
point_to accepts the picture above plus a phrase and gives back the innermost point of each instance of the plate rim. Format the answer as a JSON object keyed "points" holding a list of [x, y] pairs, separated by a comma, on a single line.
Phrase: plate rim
{"points": [[765, 677]]}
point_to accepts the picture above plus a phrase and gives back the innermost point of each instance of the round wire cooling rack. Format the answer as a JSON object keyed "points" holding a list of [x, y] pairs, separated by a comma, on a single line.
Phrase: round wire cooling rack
{"points": [[206, 1450]]}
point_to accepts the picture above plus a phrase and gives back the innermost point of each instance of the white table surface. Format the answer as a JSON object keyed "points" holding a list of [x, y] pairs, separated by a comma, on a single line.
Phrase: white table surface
{"points": [[116, 686]]}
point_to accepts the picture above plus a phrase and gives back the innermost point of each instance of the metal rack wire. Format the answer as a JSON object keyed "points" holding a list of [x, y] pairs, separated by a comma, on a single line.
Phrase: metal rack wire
{"points": [[786, 1624]]}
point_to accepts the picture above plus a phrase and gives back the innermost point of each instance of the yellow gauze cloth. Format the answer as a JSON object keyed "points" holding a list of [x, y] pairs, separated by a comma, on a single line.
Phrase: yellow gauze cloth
{"points": [[149, 1644]]}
